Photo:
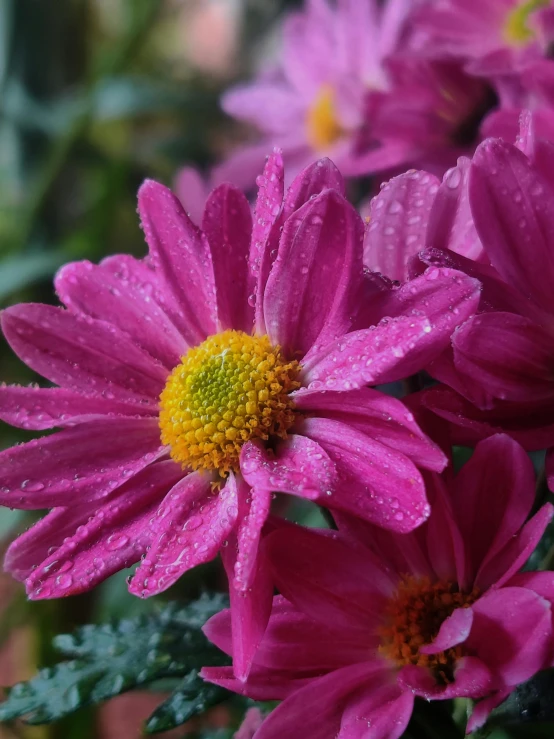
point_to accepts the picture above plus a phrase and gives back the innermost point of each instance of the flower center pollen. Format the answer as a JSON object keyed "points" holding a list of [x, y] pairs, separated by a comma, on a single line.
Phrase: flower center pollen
{"points": [[322, 123], [230, 389], [516, 30], [413, 618]]}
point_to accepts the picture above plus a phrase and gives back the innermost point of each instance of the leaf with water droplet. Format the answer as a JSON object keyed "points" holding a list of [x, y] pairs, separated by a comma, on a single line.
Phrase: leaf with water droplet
{"points": [[105, 660]]}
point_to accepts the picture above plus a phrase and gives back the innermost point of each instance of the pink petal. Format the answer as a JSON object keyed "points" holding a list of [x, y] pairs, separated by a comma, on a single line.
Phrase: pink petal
{"points": [[472, 679], [496, 294], [261, 685], [381, 709], [227, 224], [496, 570], [182, 255], [541, 583], [507, 355], [36, 408], [482, 709], [400, 554], [298, 466], [510, 202], [329, 580], [316, 276], [445, 545], [385, 419], [84, 355], [316, 710], [189, 529], [491, 497], [450, 222], [446, 297], [82, 463], [249, 532], [511, 633], [426, 313], [191, 189], [375, 482], [398, 223], [250, 609], [313, 180], [107, 539], [453, 631], [93, 291]]}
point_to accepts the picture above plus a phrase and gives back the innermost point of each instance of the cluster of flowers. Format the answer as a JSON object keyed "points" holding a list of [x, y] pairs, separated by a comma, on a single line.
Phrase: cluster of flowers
{"points": [[243, 357], [379, 86]]}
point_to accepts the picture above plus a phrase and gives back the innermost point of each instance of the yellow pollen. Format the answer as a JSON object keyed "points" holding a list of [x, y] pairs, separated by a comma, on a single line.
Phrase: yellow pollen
{"points": [[322, 123], [230, 389], [516, 31], [413, 618]]}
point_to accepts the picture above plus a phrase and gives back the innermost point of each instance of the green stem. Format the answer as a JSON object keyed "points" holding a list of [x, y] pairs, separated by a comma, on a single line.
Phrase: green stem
{"points": [[61, 149]]}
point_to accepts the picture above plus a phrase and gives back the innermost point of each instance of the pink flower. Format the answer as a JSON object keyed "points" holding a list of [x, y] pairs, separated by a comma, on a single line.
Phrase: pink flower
{"points": [[368, 619], [313, 102], [499, 368], [494, 37], [232, 362]]}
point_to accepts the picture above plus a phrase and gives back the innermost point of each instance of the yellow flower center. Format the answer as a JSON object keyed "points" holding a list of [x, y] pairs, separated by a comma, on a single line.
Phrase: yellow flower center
{"points": [[516, 30], [322, 122], [230, 389], [413, 618]]}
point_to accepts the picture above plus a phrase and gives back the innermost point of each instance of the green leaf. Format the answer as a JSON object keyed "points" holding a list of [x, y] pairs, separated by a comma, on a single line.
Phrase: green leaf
{"points": [[191, 697], [530, 702], [110, 659]]}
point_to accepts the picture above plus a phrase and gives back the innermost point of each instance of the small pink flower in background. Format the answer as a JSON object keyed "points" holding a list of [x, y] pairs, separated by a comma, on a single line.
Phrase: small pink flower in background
{"points": [[493, 37], [368, 619], [230, 363], [314, 102]]}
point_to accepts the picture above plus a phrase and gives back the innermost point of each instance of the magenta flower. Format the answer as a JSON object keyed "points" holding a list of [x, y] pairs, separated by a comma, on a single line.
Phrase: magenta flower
{"points": [[313, 102], [494, 37], [368, 619], [231, 363], [499, 370]]}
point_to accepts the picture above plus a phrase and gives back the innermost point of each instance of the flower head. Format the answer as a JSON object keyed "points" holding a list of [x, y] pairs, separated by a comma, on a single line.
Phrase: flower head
{"points": [[439, 613], [231, 363]]}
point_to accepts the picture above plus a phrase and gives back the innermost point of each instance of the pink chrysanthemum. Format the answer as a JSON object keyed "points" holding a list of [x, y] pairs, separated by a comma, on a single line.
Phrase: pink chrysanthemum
{"points": [[368, 619], [493, 37], [231, 363], [313, 102]]}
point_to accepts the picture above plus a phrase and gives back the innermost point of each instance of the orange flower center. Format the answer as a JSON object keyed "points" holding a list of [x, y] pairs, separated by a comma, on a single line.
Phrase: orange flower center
{"points": [[413, 618], [230, 389]]}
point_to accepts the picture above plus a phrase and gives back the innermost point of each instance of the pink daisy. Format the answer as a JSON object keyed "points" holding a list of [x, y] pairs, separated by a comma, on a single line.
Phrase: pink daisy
{"points": [[313, 102], [368, 619], [232, 362], [494, 36]]}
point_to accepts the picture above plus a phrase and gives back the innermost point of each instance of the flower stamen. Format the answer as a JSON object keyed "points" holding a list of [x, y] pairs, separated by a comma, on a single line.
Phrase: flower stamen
{"points": [[413, 618], [230, 389]]}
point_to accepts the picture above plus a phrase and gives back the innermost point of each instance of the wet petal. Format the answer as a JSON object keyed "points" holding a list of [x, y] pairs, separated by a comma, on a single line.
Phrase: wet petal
{"points": [[189, 529], [82, 354], [316, 276], [385, 419], [227, 224], [36, 408], [375, 482], [106, 540], [181, 254], [299, 466], [398, 223], [93, 291], [82, 463]]}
